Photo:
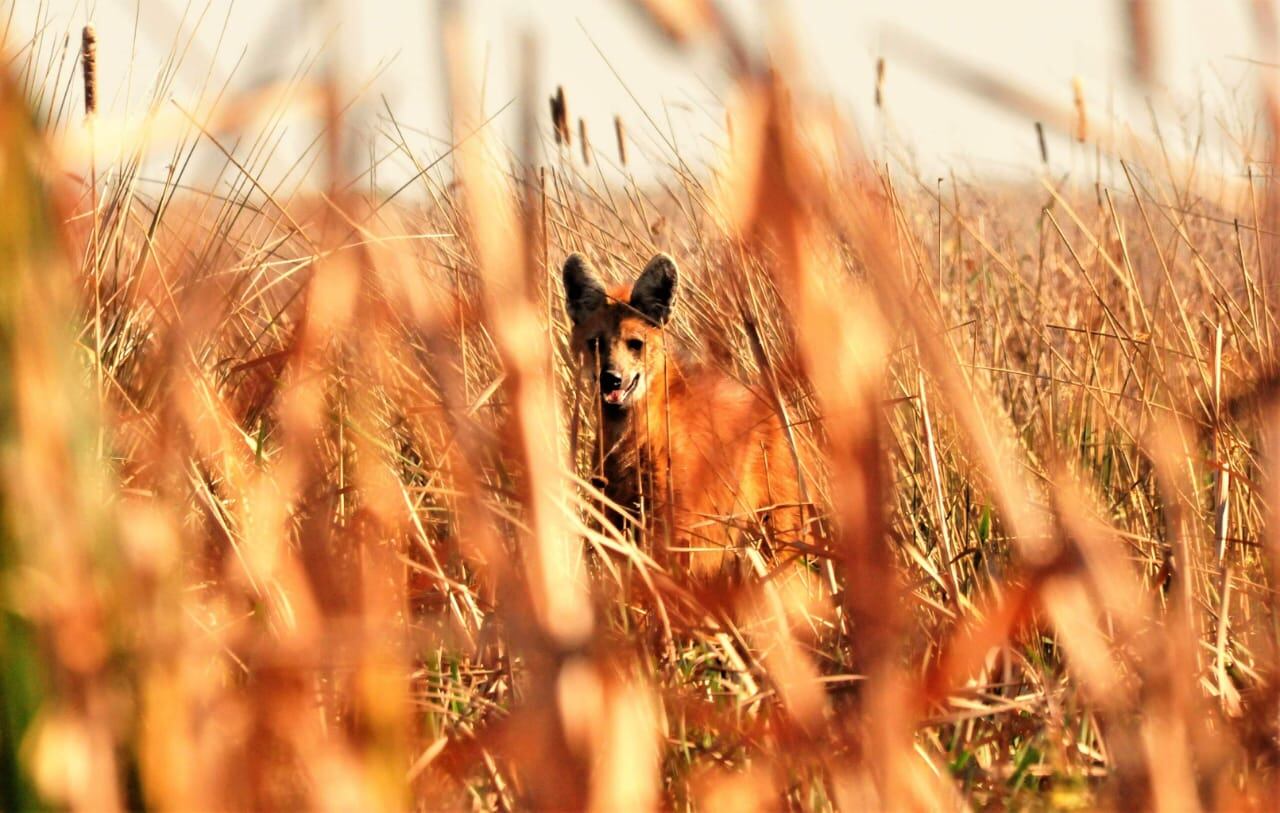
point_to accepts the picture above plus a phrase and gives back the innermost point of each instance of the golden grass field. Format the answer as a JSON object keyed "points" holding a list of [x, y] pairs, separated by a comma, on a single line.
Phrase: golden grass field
{"points": [[297, 507]]}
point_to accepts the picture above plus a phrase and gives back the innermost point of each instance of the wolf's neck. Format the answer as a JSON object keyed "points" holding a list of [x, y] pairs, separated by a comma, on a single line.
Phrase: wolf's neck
{"points": [[632, 445], [629, 432]]}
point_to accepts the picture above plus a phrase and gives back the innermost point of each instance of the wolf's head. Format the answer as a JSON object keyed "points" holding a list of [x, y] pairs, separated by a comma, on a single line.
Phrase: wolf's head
{"points": [[617, 338]]}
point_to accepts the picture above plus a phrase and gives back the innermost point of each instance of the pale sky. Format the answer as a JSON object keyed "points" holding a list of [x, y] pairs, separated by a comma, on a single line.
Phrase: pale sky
{"points": [[1040, 45]]}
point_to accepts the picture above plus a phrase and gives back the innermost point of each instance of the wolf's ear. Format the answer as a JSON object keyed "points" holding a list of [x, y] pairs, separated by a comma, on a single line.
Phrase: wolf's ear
{"points": [[583, 293], [655, 290]]}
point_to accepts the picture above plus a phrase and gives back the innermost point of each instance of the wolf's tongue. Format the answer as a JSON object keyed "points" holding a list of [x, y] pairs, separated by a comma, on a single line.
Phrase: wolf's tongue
{"points": [[614, 397]]}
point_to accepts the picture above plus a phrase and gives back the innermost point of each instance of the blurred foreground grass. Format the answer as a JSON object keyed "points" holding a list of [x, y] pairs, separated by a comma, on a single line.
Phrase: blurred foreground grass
{"points": [[297, 504]]}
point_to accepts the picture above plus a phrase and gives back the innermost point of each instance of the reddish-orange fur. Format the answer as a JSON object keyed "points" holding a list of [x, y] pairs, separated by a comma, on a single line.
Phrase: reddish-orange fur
{"points": [[702, 457]]}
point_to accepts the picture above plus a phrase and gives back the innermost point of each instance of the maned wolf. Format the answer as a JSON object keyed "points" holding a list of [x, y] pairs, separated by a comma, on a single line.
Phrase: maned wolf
{"points": [[701, 458]]}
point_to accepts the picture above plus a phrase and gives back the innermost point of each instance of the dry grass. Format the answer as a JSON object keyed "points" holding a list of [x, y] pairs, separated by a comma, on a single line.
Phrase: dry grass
{"points": [[297, 505]]}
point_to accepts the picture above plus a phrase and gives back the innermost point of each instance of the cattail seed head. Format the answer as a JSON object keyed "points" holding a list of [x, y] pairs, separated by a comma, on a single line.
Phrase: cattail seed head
{"points": [[586, 144], [560, 118], [89, 61], [1140, 20], [1044, 147], [621, 135], [880, 82], [1082, 118]]}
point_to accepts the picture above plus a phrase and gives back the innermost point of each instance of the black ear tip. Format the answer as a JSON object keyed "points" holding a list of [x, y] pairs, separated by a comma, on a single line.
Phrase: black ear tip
{"points": [[582, 290], [574, 264], [655, 290], [663, 264]]}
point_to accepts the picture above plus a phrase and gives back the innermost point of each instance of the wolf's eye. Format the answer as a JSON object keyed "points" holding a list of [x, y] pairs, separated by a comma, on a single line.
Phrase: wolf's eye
{"points": [[593, 344], [636, 345]]}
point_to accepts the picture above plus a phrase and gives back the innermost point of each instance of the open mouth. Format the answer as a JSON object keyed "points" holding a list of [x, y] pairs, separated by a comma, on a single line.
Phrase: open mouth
{"points": [[619, 396]]}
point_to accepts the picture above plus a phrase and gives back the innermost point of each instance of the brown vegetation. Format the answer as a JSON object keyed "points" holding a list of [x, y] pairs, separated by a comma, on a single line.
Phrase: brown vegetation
{"points": [[298, 505]]}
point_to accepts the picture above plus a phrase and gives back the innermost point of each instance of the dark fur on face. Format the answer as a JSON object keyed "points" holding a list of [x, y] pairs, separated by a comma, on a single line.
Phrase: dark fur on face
{"points": [[612, 334]]}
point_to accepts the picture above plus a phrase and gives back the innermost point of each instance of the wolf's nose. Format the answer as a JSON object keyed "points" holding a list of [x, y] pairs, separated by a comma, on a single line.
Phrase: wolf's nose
{"points": [[610, 381]]}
